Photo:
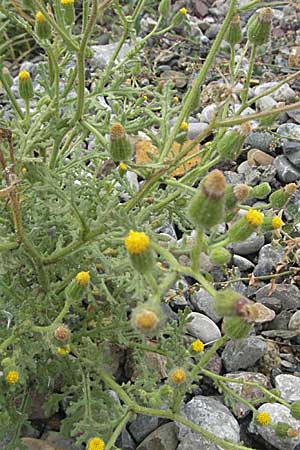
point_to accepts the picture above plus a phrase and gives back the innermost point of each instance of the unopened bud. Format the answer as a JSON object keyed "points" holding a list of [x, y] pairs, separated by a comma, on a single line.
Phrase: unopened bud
{"points": [[120, 147], [62, 333], [231, 144], [234, 34], [146, 318], [259, 26], [25, 85], [220, 256], [42, 27]]}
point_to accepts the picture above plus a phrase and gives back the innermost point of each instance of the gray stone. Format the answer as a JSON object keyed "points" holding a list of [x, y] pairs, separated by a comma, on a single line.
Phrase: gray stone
{"points": [[195, 129], [243, 353], [233, 177], [294, 323], [291, 149], [103, 53], [271, 302], [246, 392], [125, 441], [290, 130], [284, 94], [289, 387], [212, 31], [163, 438], [251, 245], [288, 294], [278, 413], [142, 426], [211, 415], [294, 114], [208, 113], [287, 172], [242, 263], [268, 258], [260, 140], [266, 103], [203, 328], [202, 302], [55, 438]]}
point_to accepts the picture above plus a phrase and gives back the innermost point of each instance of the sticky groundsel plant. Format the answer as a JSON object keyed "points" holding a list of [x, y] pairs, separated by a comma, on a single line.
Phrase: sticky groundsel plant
{"points": [[83, 265]]}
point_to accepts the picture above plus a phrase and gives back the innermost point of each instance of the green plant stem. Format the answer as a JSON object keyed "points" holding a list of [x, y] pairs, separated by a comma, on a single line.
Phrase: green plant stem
{"points": [[21, 420], [110, 382], [11, 97], [196, 251], [57, 321], [152, 283], [65, 37], [111, 442], [81, 61], [5, 246], [199, 80], [55, 100], [235, 395], [260, 4], [248, 78], [95, 132], [261, 277], [243, 54], [231, 64], [27, 112]]}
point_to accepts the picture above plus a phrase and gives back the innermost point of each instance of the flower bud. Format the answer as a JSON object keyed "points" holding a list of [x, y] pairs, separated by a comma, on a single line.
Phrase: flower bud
{"points": [[165, 391], [231, 143], [138, 246], [178, 376], [6, 362], [146, 318], [62, 333], [236, 327], [164, 7], [25, 85], [295, 410], [272, 223], [69, 11], [42, 27], [280, 197], [259, 26], [220, 256], [77, 287], [7, 77], [261, 191], [234, 194], [120, 147], [225, 302], [207, 207], [234, 34], [281, 429], [245, 226]]}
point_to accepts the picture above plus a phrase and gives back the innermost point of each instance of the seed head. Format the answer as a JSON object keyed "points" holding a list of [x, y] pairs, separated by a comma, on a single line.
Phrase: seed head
{"points": [[241, 191], [145, 320], [214, 184], [62, 333], [265, 15], [117, 131], [178, 376]]}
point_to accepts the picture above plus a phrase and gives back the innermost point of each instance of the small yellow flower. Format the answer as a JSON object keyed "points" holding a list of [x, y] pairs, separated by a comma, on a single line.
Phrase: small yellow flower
{"points": [[12, 377], [197, 346], [175, 99], [254, 218], [277, 222], [137, 242], [83, 278], [178, 376], [39, 17], [263, 418], [184, 126], [183, 11], [145, 97], [24, 75], [67, 2], [96, 444], [63, 351], [23, 170], [123, 167]]}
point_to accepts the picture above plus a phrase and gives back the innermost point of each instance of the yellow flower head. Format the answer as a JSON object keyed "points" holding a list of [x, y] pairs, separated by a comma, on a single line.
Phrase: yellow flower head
{"points": [[184, 126], [175, 99], [23, 170], [122, 166], [137, 242], [96, 444], [183, 11], [63, 351], [83, 278], [24, 75], [254, 218], [145, 97], [67, 2], [178, 376], [277, 222], [146, 320], [197, 346], [39, 17], [12, 377], [263, 418]]}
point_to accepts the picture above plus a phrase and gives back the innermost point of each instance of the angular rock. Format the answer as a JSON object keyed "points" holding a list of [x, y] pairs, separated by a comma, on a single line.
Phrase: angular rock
{"points": [[294, 323], [260, 140], [163, 438], [256, 157], [243, 353], [242, 263], [268, 258], [291, 149], [278, 413], [289, 387], [103, 53], [290, 130], [39, 444], [251, 245], [203, 328], [202, 302], [288, 294], [286, 171], [211, 415], [142, 426]]}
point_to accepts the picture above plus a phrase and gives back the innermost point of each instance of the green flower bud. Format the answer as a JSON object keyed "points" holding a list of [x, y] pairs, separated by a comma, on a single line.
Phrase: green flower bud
{"points": [[164, 7], [231, 143], [236, 328], [42, 27], [138, 246], [147, 317], [120, 147], [220, 256], [77, 287], [179, 17], [207, 206], [245, 226], [7, 362], [234, 194], [259, 26], [281, 429], [279, 198], [226, 301], [165, 391], [69, 11], [234, 34], [261, 191], [295, 410], [7, 77], [271, 223], [25, 85]]}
